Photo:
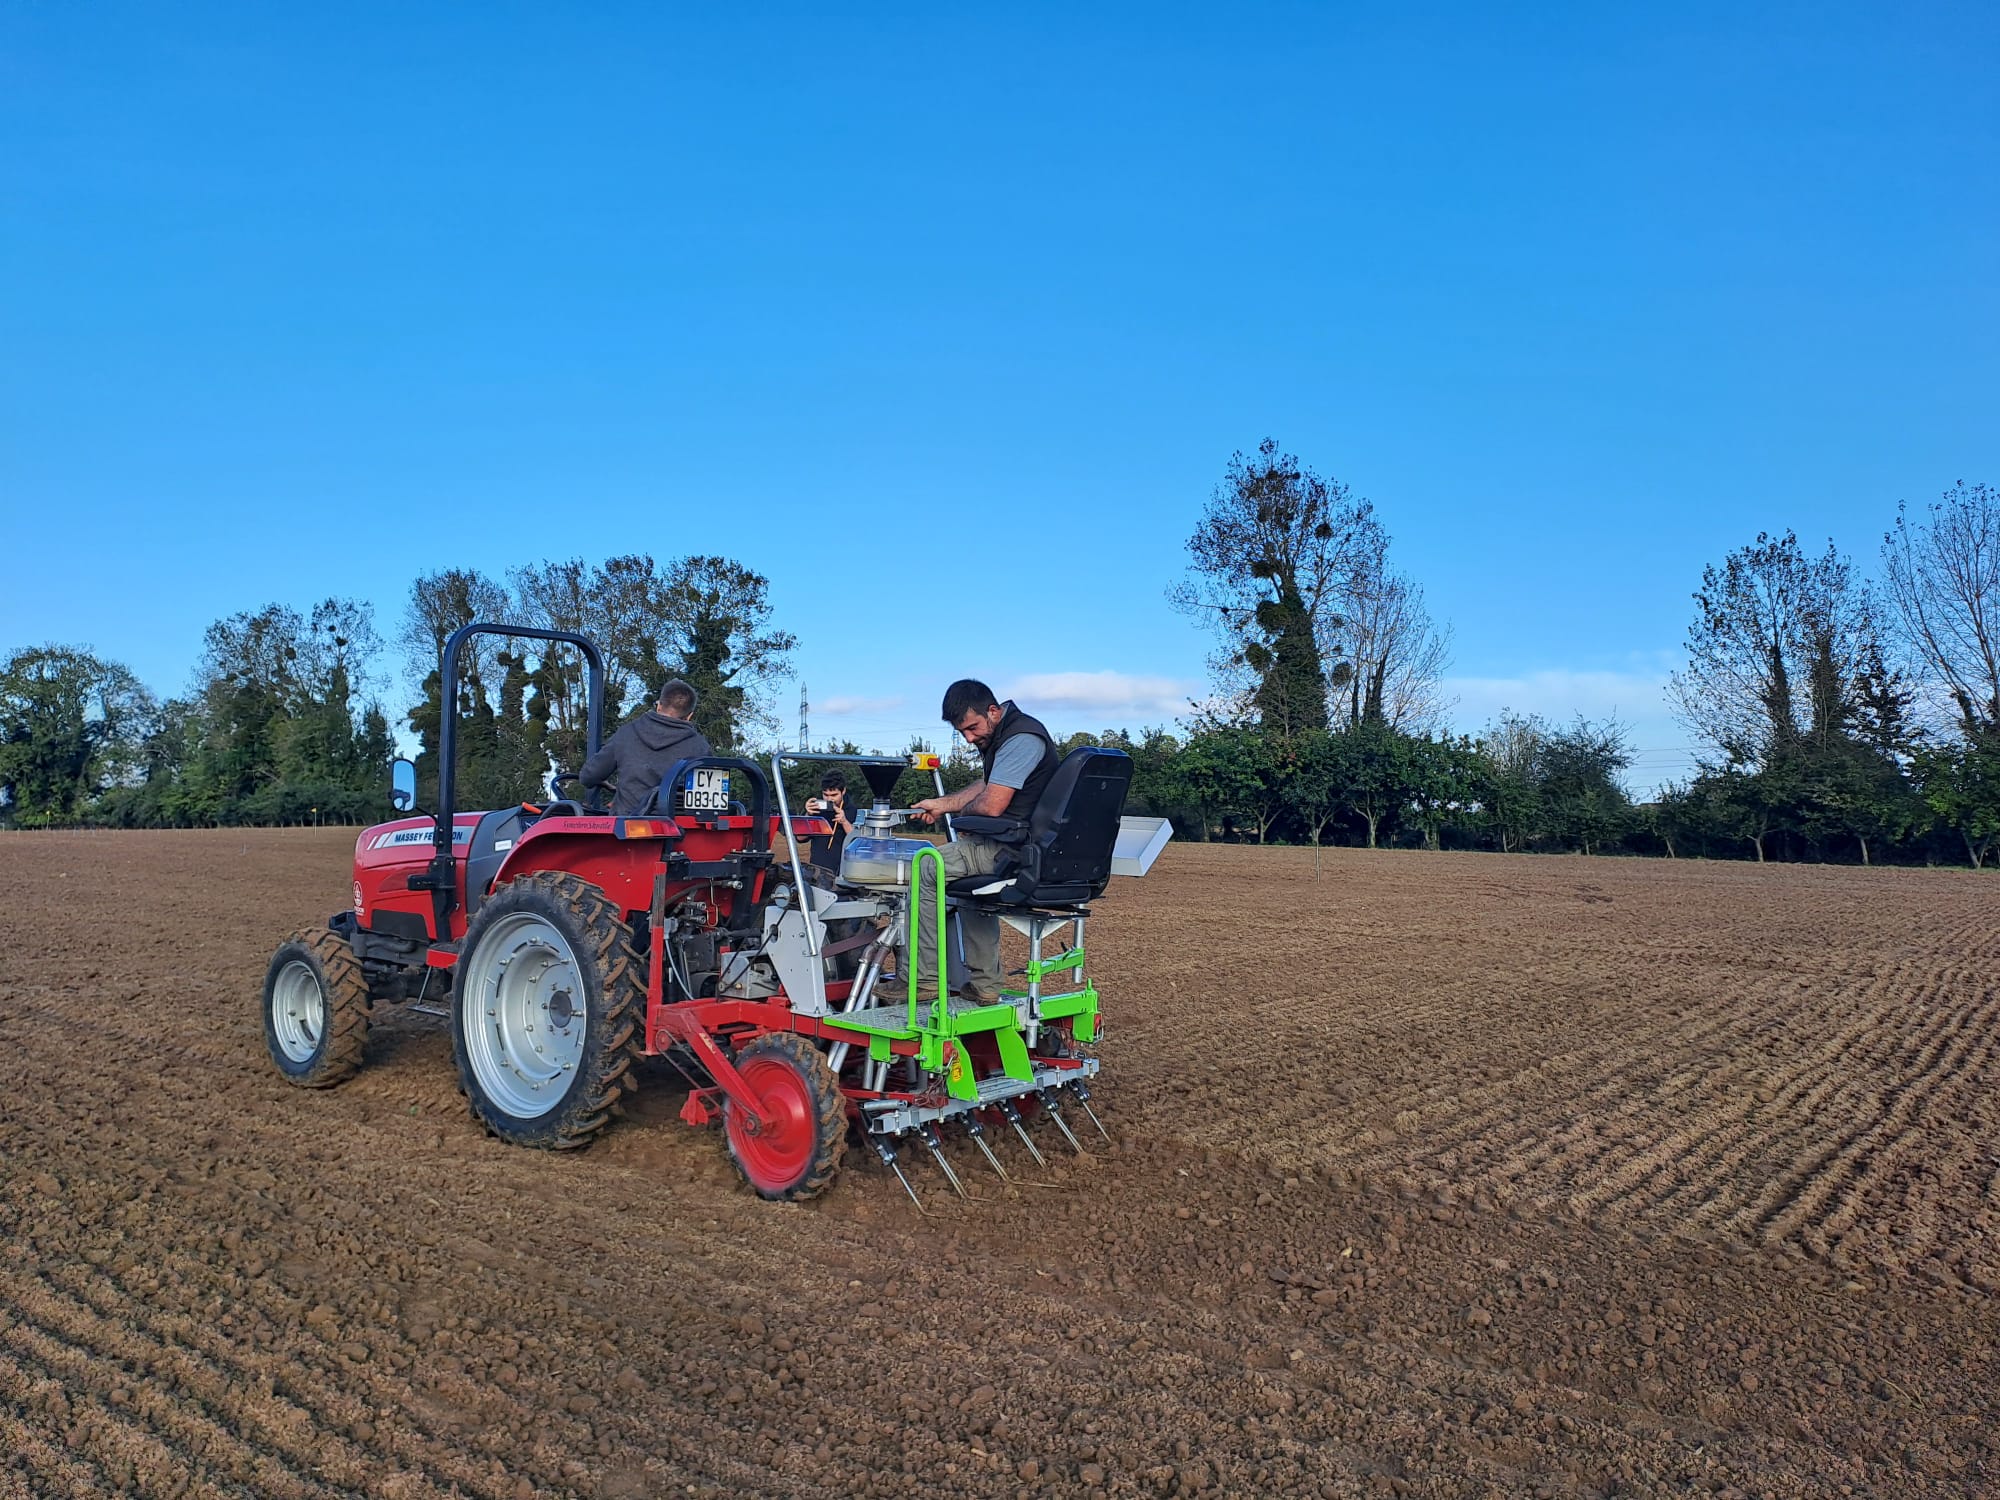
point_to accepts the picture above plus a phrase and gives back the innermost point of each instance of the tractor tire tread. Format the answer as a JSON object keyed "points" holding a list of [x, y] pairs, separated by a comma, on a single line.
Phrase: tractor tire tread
{"points": [[347, 1008], [609, 947]]}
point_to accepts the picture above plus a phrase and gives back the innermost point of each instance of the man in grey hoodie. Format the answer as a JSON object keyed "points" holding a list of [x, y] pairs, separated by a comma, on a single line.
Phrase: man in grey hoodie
{"points": [[644, 750]]}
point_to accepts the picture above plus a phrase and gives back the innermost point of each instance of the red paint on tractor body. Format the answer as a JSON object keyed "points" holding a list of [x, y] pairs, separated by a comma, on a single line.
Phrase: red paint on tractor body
{"points": [[387, 855], [644, 875]]}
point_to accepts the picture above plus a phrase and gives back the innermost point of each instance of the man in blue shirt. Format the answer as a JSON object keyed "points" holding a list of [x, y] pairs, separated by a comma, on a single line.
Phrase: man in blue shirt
{"points": [[1017, 758]]}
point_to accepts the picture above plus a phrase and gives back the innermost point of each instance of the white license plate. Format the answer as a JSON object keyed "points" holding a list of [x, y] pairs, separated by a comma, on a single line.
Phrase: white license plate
{"points": [[707, 790]]}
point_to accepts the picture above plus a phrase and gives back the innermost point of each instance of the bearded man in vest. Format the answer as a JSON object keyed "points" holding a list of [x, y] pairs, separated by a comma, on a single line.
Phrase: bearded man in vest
{"points": [[1018, 758]]}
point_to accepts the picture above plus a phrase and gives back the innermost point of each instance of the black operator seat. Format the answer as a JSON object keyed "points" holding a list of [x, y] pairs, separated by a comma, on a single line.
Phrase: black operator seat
{"points": [[1061, 856]]}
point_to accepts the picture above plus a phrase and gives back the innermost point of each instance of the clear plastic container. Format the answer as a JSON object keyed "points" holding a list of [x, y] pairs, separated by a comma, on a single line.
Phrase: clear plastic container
{"points": [[879, 861]]}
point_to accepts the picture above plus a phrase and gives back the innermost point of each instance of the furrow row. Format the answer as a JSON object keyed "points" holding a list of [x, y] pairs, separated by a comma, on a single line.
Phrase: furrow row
{"points": [[155, 1450]]}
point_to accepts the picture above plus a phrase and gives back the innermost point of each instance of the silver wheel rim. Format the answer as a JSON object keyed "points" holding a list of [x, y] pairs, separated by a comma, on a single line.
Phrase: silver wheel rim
{"points": [[523, 1013], [298, 1011]]}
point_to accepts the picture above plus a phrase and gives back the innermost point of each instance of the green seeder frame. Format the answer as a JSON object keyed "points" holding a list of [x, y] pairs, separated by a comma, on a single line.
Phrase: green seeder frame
{"points": [[934, 1027]]}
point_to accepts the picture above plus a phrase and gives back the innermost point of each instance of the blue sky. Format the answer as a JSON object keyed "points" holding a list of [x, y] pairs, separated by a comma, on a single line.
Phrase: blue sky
{"points": [[302, 301]]}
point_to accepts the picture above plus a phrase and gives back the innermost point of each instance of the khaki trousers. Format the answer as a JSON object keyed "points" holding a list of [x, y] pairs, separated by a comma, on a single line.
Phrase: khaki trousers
{"points": [[980, 933]]}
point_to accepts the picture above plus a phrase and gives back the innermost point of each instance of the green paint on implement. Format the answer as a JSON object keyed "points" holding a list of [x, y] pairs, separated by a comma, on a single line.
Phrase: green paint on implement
{"points": [[940, 1024], [1037, 972]]}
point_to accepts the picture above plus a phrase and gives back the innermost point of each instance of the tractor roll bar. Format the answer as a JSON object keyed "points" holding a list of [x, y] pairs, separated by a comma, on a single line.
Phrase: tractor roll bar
{"points": [[444, 852]]}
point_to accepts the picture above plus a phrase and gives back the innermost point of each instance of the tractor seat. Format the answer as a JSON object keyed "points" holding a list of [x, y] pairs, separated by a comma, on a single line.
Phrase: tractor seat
{"points": [[492, 841], [1061, 857]]}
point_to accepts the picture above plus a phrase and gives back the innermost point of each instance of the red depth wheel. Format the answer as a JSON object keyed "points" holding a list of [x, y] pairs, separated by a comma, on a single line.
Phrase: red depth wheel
{"points": [[797, 1150]]}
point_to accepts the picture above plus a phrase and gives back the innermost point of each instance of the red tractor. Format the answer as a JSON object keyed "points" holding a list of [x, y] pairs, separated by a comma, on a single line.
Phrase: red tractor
{"points": [[565, 943]]}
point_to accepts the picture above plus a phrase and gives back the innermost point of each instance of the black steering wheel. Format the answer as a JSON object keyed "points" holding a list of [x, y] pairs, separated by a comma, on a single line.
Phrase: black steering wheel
{"points": [[556, 792]]}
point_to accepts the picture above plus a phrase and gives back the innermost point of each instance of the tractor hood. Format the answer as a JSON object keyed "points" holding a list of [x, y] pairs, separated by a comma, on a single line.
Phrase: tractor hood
{"points": [[385, 857]]}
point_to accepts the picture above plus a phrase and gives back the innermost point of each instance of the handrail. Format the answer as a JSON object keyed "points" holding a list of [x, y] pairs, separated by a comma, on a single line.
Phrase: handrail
{"points": [[442, 873], [798, 870], [939, 1005]]}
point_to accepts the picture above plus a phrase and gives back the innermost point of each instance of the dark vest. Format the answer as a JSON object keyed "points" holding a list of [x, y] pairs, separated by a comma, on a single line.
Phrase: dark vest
{"points": [[1014, 722]]}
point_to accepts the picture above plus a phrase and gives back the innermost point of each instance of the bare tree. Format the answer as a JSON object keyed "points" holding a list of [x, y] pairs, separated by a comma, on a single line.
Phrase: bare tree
{"points": [[1943, 576], [1269, 565], [439, 604], [717, 618], [338, 649], [1388, 657], [1778, 642], [559, 595]]}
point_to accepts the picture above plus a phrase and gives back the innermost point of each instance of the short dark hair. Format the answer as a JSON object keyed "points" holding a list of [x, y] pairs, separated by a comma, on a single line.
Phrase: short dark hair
{"points": [[677, 699], [968, 695], [833, 781]]}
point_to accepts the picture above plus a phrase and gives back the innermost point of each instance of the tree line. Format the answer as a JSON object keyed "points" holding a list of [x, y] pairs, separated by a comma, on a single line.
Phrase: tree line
{"points": [[284, 723], [1840, 716]]}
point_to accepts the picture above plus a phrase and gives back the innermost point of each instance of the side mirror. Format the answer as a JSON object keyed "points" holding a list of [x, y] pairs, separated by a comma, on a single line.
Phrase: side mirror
{"points": [[402, 783]]}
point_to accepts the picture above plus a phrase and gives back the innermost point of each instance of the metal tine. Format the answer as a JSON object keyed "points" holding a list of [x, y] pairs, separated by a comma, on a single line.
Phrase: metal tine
{"points": [[978, 1133], [1027, 1182], [1013, 1115], [930, 1138], [888, 1154], [1083, 1098], [1054, 1112]]}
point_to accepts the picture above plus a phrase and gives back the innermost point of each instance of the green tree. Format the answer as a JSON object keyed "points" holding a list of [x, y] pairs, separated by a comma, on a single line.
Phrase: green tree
{"points": [[279, 737], [1851, 791], [1576, 771], [1510, 789], [1375, 775], [1216, 776], [71, 725], [1446, 779], [1693, 818], [1960, 785], [439, 604], [1314, 767]]}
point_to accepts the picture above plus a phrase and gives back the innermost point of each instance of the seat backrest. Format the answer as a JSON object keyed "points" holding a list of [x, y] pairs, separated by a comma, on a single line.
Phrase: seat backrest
{"points": [[1074, 827]]}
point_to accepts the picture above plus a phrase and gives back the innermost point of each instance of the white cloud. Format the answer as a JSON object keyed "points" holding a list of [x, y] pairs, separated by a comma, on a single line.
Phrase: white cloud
{"points": [[1104, 698], [849, 706]]}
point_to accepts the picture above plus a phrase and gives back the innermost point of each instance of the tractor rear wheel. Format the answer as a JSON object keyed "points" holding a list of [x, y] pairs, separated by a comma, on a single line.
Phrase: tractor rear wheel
{"points": [[315, 1009], [795, 1153], [546, 1009]]}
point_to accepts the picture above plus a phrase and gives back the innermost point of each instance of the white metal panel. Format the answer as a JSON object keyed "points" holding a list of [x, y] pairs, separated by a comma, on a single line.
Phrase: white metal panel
{"points": [[1140, 841]]}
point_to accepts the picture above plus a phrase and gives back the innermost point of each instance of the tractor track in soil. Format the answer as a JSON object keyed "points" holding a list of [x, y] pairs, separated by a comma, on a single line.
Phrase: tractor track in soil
{"points": [[1434, 1175]]}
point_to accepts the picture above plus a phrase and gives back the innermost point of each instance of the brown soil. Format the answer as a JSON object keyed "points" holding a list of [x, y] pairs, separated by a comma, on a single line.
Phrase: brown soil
{"points": [[1433, 1175]]}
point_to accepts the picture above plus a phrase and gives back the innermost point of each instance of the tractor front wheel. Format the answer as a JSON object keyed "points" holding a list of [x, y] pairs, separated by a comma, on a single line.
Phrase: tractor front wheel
{"points": [[315, 1009], [796, 1150], [546, 1008]]}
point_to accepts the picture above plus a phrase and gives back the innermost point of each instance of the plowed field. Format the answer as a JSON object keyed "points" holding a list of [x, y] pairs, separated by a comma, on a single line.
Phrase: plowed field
{"points": [[1431, 1175]]}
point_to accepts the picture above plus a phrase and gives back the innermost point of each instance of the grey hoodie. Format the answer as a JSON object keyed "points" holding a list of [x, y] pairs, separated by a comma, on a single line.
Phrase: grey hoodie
{"points": [[638, 755]]}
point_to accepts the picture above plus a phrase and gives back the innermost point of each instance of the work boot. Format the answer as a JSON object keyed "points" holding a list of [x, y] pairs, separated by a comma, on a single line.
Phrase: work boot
{"points": [[980, 991]]}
